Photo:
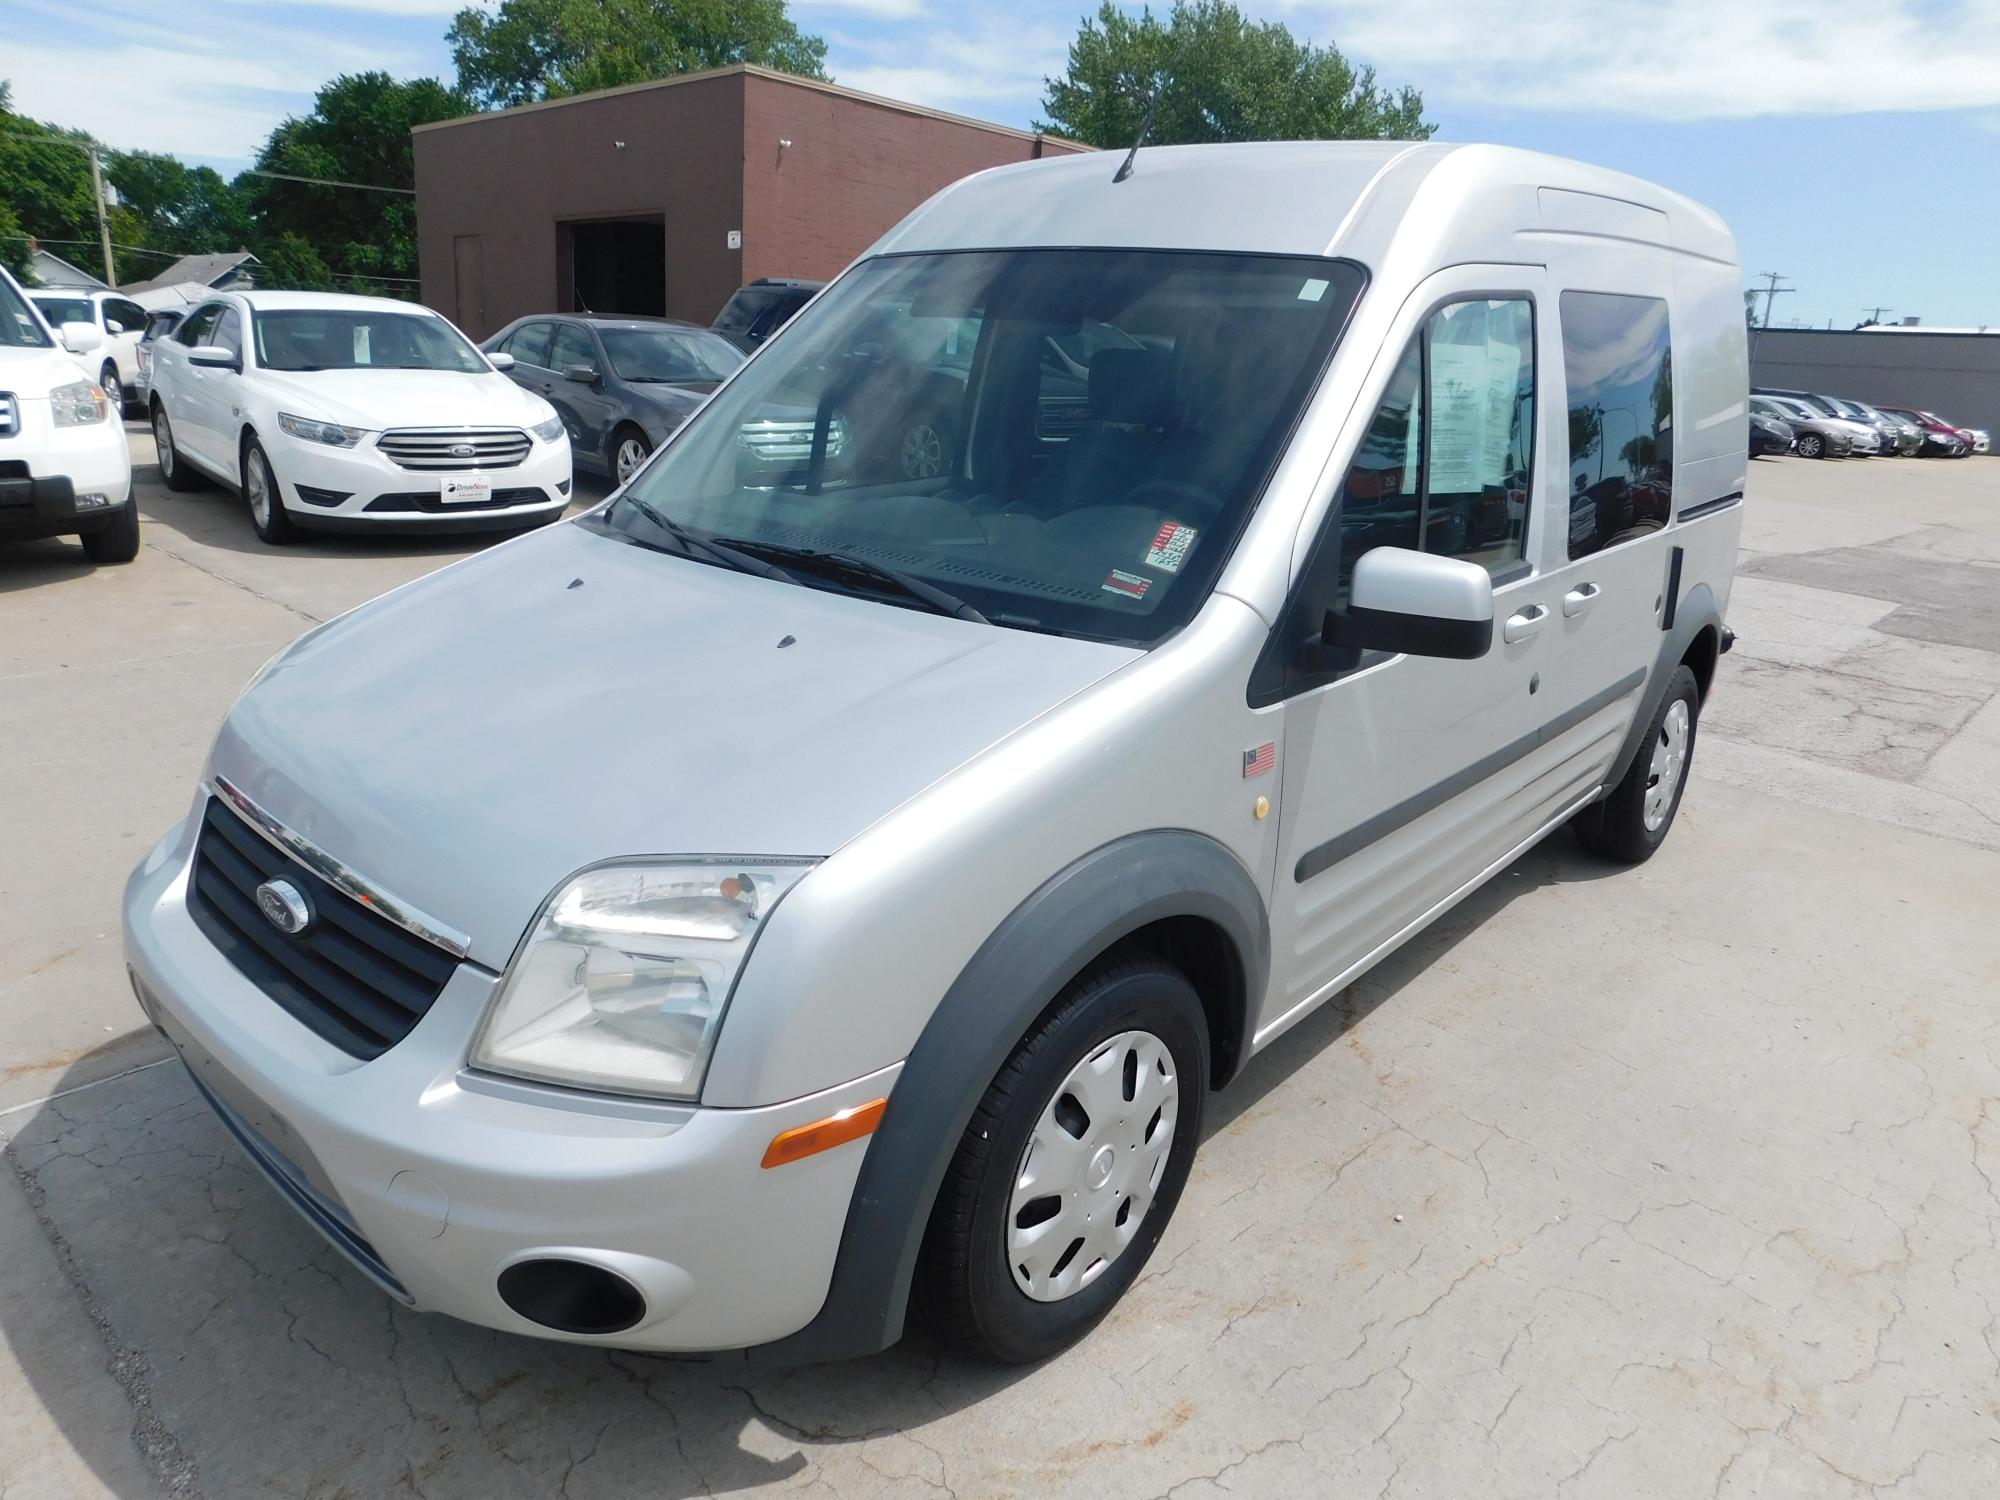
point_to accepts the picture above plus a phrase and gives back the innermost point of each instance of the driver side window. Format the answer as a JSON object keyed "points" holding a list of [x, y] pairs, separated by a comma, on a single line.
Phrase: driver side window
{"points": [[196, 329]]}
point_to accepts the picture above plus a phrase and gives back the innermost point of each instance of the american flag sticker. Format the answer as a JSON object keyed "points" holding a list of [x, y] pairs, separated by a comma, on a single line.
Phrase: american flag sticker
{"points": [[1259, 761]]}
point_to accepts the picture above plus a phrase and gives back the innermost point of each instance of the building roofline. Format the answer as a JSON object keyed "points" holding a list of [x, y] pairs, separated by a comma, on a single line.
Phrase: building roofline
{"points": [[1918, 332], [772, 75]]}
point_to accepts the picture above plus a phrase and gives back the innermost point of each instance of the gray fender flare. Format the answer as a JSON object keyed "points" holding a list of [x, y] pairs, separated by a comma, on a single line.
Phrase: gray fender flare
{"points": [[1017, 973], [1694, 613]]}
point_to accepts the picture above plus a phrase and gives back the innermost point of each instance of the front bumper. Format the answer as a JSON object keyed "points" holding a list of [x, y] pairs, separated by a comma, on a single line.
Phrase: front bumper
{"points": [[433, 1179], [46, 471], [361, 488]]}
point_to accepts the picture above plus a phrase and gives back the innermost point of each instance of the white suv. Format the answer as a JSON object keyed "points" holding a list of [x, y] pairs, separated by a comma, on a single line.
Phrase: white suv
{"points": [[352, 413], [119, 319], [64, 467]]}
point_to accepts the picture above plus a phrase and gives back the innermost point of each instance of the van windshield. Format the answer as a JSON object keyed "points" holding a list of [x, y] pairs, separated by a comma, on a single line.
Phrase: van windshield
{"points": [[19, 327], [1065, 440]]}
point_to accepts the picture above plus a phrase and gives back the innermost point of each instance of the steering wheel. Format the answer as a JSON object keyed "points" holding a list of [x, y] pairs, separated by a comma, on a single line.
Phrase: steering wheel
{"points": [[1206, 502]]}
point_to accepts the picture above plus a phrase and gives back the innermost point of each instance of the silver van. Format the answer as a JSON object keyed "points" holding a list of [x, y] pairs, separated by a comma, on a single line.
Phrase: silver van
{"points": [[794, 891]]}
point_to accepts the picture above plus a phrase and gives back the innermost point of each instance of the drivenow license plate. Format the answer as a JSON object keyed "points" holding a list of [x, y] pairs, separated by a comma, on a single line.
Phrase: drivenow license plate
{"points": [[470, 490]]}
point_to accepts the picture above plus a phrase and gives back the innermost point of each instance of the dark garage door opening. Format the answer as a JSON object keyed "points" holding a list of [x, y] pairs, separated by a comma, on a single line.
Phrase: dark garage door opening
{"points": [[617, 266]]}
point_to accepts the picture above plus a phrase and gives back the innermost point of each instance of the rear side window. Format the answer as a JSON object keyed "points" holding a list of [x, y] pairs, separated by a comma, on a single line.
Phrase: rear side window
{"points": [[1618, 360], [742, 310]]}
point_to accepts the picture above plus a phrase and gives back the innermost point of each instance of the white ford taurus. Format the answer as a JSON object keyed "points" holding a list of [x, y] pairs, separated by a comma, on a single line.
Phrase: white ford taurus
{"points": [[338, 413]]}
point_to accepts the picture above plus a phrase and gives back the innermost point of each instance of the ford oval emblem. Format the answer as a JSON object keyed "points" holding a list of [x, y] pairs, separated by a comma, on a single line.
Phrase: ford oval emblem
{"points": [[283, 906], [463, 450]]}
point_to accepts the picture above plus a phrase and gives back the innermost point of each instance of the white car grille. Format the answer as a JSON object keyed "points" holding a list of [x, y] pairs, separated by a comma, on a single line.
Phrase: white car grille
{"points": [[455, 449], [10, 415]]}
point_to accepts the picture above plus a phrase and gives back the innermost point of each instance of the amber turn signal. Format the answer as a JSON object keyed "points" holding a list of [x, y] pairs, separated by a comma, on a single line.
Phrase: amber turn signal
{"points": [[823, 1135]]}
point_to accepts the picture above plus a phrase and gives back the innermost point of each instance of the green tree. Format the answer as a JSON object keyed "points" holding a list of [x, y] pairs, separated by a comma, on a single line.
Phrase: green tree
{"points": [[524, 50], [358, 131], [14, 246], [289, 263], [187, 210], [1215, 75]]}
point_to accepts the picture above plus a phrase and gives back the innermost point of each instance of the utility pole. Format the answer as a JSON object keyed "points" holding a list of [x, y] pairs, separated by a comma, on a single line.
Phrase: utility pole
{"points": [[1771, 290], [1874, 315], [103, 224]]}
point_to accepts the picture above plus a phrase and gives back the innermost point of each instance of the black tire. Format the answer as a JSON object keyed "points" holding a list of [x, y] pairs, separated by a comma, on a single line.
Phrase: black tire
{"points": [[179, 476], [965, 1283], [272, 521], [1811, 445], [117, 542], [1616, 827], [107, 379]]}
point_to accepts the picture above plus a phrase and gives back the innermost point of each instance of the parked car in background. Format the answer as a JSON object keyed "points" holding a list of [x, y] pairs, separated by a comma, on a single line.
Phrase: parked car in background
{"points": [[622, 386], [1816, 435], [1770, 433], [1940, 438], [352, 413], [159, 323], [119, 319], [756, 311], [1982, 440], [1063, 780], [1909, 437], [1887, 429], [1863, 437], [64, 466]]}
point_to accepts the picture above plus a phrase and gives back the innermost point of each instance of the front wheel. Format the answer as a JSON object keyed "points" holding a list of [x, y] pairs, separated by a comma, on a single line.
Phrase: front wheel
{"points": [[1811, 445], [629, 449], [926, 450], [1632, 822], [267, 501], [1071, 1165], [107, 379], [118, 540]]}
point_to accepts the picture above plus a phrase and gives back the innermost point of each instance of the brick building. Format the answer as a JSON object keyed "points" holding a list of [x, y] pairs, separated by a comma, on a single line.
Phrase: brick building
{"points": [[662, 198]]}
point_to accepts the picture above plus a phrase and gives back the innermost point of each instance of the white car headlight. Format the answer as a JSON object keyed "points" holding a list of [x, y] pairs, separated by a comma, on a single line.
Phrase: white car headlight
{"points": [[312, 430], [622, 983], [548, 431], [78, 405]]}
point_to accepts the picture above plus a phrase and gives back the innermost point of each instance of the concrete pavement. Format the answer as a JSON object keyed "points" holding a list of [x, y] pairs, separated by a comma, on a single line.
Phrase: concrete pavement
{"points": [[1675, 1181]]}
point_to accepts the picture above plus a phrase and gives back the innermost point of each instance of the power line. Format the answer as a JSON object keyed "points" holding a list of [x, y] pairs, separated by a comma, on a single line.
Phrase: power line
{"points": [[1771, 290], [1874, 315], [364, 187]]}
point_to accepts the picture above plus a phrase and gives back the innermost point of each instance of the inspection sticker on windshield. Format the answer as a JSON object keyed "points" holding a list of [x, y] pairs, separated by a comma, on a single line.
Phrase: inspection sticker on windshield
{"points": [[1170, 547], [1131, 585]]}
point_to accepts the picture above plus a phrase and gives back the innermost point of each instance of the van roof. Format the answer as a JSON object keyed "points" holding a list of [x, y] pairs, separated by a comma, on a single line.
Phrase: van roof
{"points": [[1360, 199]]}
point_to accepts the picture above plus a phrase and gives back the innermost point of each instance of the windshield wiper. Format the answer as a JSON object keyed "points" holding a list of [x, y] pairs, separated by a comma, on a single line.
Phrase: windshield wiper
{"points": [[837, 565], [722, 552]]}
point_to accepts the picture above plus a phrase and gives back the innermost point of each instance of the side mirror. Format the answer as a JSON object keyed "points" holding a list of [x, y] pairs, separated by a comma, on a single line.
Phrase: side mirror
{"points": [[581, 374], [79, 338], [1417, 604], [213, 357], [112, 325], [500, 361]]}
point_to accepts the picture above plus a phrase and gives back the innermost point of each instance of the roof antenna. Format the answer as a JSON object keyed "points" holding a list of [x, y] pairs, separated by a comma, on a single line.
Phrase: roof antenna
{"points": [[1145, 129]]}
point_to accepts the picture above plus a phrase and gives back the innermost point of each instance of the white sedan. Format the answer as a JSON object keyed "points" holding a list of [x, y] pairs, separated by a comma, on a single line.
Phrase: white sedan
{"points": [[64, 467], [119, 320], [337, 413]]}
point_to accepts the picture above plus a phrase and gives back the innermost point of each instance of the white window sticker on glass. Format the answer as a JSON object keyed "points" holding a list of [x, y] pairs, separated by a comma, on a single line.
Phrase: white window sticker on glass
{"points": [[1313, 290], [361, 344]]}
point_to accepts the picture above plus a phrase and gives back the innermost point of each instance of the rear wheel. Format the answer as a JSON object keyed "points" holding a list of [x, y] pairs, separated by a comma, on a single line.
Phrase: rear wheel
{"points": [[117, 542], [1631, 823], [267, 501], [177, 474], [1071, 1165]]}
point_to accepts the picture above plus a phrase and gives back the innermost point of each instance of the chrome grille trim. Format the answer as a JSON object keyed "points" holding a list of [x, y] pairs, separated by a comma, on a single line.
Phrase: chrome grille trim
{"points": [[336, 874], [10, 415], [430, 449]]}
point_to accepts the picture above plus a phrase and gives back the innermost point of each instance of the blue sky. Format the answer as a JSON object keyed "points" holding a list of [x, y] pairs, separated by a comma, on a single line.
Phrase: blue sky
{"points": [[1853, 145]]}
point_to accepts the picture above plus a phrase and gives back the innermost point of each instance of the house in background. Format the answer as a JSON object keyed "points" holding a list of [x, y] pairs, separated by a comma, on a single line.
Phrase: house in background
{"points": [[52, 272], [233, 270], [661, 198]]}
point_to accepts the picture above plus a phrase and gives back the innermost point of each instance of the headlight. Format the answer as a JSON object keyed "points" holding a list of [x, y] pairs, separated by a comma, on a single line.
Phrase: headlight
{"points": [[550, 430], [622, 983], [312, 430], [78, 405]]}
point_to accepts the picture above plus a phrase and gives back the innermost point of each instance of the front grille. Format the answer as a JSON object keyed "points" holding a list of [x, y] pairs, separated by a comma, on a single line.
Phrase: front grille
{"points": [[10, 415], [352, 976], [784, 442], [436, 449], [433, 504]]}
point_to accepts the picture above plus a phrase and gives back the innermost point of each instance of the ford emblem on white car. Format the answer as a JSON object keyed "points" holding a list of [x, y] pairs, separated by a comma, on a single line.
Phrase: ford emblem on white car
{"points": [[283, 906], [463, 450]]}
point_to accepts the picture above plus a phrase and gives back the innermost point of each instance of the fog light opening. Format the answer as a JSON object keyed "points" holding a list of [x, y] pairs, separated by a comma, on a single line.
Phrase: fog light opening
{"points": [[571, 1296]]}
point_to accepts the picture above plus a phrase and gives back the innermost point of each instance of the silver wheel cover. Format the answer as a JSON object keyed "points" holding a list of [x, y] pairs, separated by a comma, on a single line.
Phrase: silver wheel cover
{"points": [[923, 452], [163, 440], [257, 488], [1669, 765], [631, 453], [1093, 1166]]}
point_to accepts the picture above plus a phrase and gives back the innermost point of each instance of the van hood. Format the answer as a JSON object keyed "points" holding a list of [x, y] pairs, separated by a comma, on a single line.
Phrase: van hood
{"points": [[376, 398], [30, 374], [469, 741]]}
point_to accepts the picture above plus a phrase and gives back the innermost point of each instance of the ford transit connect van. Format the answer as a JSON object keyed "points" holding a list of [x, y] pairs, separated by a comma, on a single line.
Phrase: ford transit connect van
{"points": [[793, 891]]}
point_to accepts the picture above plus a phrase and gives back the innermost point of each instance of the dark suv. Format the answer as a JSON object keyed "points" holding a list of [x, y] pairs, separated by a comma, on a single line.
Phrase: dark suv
{"points": [[760, 309]]}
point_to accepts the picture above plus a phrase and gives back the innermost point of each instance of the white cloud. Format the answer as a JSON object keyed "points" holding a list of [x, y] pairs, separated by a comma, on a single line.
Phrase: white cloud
{"points": [[955, 65], [1676, 59], [892, 10]]}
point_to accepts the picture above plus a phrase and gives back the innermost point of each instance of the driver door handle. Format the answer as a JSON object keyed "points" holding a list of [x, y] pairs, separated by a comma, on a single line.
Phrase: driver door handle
{"points": [[1579, 599], [1523, 623]]}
